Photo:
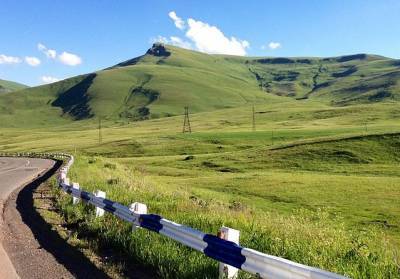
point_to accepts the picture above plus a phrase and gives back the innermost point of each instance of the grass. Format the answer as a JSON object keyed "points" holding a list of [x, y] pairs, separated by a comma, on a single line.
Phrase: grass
{"points": [[9, 86], [46, 207], [315, 184], [142, 89]]}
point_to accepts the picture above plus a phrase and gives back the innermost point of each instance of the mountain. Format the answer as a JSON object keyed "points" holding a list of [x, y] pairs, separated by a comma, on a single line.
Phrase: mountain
{"points": [[9, 86], [343, 80], [167, 78]]}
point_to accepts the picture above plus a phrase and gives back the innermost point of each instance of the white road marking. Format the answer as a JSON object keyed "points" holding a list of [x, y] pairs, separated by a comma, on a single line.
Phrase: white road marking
{"points": [[17, 168]]}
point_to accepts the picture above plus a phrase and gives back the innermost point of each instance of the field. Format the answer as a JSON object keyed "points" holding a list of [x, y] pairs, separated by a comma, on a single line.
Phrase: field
{"points": [[316, 184]]}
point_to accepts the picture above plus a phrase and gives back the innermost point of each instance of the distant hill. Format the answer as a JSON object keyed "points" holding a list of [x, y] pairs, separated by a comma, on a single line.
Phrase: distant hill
{"points": [[9, 86], [165, 79], [343, 80]]}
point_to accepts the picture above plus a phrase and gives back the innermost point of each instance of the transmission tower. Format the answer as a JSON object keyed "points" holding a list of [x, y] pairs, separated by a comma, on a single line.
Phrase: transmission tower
{"points": [[186, 122]]}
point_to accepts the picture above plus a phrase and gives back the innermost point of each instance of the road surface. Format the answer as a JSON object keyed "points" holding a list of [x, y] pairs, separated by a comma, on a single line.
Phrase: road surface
{"points": [[15, 172]]}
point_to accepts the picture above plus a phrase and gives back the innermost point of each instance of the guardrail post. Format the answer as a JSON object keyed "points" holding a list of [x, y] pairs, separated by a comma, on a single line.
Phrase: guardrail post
{"points": [[137, 208], [75, 200], [63, 176], [66, 181], [227, 271], [99, 194]]}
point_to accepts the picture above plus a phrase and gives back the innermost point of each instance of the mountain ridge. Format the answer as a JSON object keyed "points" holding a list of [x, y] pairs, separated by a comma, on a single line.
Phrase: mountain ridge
{"points": [[10, 86], [167, 78]]}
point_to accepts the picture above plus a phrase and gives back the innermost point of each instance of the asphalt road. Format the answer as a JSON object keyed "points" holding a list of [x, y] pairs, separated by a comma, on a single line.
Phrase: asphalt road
{"points": [[14, 173]]}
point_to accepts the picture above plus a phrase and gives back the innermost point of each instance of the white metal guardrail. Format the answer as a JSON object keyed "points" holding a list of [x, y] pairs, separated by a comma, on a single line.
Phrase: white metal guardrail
{"points": [[224, 247]]}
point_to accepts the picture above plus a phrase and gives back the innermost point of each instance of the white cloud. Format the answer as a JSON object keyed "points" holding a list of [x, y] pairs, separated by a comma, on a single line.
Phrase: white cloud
{"points": [[49, 79], [210, 39], [32, 61], [159, 39], [66, 58], [173, 40], [50, 53], [176, 41], [69, 59], [179, 23], [274, 45], [4, 59], [204, 37]]}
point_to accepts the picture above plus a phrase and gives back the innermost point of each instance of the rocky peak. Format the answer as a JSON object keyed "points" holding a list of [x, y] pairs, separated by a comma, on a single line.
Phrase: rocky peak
{"points": [[158, 49]]}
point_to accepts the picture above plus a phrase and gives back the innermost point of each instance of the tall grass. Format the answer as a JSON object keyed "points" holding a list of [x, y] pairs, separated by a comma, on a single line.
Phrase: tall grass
{"points": [[312, 237]]}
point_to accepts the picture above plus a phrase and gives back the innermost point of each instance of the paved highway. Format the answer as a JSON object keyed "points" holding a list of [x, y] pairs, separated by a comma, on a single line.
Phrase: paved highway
{"points": [[15, 172]]}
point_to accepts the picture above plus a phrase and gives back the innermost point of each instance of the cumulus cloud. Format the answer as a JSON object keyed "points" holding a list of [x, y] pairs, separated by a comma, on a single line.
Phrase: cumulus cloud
{"points": [[210, 39], [173, 40], [50, 53], [69, 59], [176, 41], [274, 45], [66, 58], [204, 37], [5, 59], [49, 79], [179, 23], [32, 61]]}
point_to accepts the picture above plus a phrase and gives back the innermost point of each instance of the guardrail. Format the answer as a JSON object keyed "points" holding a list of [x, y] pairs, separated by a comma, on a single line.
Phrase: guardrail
{"points": [[224, 247]]}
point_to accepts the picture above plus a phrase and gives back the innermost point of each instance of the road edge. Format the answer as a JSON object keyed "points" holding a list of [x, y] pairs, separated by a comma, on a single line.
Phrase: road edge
{"points": [[7, 268]]}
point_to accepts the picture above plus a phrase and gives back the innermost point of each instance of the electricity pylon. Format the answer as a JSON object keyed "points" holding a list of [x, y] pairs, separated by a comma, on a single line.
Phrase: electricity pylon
{"points": [[186, 122]]}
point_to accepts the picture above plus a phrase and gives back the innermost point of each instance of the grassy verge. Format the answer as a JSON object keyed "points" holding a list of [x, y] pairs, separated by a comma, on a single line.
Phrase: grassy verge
{"points": [[313, 235], [45, 202], [313, 184]]}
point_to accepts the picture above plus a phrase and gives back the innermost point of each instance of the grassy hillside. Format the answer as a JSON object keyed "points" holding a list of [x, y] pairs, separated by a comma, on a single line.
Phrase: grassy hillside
{"points": [[9, 86], [342, 80], [317, 182], [314, 183], [165, 79]]}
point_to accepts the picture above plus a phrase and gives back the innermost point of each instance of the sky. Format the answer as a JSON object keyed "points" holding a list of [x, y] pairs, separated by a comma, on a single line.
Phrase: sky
{"points": [[45, 41]]}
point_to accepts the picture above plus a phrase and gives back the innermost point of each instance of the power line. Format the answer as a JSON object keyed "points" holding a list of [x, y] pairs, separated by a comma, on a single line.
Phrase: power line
{"points": [[186, 122]]}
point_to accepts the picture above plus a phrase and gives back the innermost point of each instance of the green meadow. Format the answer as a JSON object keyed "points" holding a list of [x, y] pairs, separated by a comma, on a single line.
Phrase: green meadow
{"points": [[316, 184]]}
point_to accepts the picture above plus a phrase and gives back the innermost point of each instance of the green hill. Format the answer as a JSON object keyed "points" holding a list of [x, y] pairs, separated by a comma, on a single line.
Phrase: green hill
{"points": [[344, 80], [166, 78], [9, 86]]}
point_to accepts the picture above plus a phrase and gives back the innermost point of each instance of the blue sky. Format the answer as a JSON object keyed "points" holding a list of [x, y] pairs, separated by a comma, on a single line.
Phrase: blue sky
{"points": [[82, 36]]}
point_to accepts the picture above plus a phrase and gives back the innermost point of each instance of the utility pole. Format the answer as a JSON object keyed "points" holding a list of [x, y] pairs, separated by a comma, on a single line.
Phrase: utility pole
{"points": [[254, 120], [100, 135], [186, 122]]}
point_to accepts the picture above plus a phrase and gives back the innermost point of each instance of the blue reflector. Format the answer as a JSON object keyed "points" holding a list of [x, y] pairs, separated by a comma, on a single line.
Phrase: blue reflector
{"points": [[150, 222], [224, 251]]}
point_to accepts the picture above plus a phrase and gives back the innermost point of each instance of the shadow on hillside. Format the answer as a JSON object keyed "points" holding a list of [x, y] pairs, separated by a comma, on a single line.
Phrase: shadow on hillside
{"points": [[75, 101]]}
